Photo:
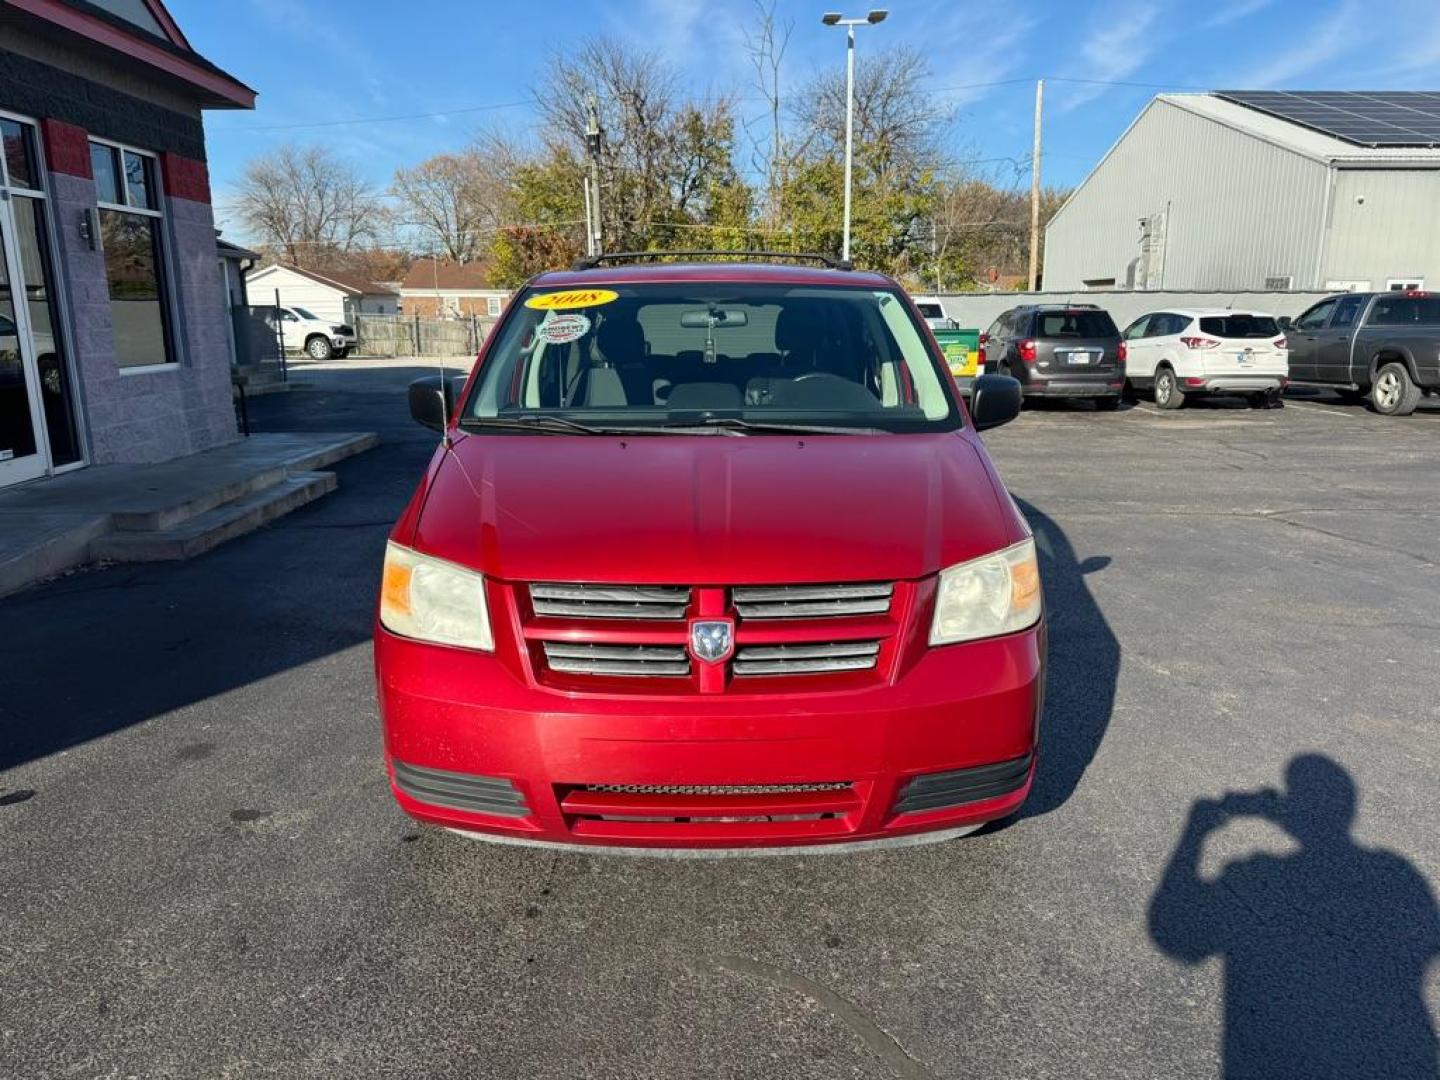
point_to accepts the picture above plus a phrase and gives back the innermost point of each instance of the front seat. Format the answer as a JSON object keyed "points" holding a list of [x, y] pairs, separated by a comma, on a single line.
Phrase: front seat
{"points": [[798, 331], [619, 343]]}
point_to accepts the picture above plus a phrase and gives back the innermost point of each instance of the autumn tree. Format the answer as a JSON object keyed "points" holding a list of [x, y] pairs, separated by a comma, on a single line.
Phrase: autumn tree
{"points": [[306, 206]]}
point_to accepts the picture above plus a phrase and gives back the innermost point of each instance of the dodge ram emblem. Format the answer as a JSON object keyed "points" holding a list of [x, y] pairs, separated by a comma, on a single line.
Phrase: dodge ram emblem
{"points": [[712, 640]]}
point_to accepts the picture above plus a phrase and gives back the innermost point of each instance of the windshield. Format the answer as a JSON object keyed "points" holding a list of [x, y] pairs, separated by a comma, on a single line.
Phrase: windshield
{"points": [[672, 355], [1076, 324], [304, 314], [1240, 326]]}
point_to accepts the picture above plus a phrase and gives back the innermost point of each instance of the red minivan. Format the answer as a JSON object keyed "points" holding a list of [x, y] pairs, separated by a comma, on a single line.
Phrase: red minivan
{"points": [[711, 557]]}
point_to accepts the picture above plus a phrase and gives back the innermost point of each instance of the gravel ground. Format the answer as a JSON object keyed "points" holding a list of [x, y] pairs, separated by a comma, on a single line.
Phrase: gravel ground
{"points": [[202, 873]]}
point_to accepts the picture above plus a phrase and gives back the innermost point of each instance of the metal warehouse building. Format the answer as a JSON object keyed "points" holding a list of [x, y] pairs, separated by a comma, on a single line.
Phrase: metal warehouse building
{"points": [[1259, 190]]}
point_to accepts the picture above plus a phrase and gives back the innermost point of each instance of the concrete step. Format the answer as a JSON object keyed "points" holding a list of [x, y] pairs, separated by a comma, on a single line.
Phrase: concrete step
{"points": [[206, 530], [213, 488]]}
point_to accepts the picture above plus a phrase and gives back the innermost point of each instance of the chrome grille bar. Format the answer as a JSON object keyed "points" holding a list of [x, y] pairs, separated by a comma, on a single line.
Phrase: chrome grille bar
{"points": [[807, 658], [811, 601], [641, 660], [611, 601]]}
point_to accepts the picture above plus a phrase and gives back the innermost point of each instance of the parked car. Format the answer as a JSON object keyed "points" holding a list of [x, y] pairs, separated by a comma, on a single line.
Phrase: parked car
{"points": [[934, 312], [1058, 350], [1384, 345], [711, 555], [302, 331], [1179, 354]]}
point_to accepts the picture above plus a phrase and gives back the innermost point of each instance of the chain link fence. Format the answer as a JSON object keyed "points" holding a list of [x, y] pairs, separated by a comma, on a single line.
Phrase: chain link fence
{"points": [[399, 335]]}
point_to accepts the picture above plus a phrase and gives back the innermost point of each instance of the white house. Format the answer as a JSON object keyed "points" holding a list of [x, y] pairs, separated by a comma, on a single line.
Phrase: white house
{"points": [[330, 297]]}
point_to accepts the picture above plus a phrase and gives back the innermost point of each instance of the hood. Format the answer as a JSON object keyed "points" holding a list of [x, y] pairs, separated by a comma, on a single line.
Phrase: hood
{"points": [[713, 510]]}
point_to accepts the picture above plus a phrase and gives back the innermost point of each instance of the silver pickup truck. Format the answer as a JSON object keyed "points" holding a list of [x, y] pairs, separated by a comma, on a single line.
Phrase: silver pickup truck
{"points": [[1382, 345]]}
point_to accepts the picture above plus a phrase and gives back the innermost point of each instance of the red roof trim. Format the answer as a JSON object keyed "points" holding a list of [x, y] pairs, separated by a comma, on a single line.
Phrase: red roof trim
{"points": [[168, 24], [103, 33]]}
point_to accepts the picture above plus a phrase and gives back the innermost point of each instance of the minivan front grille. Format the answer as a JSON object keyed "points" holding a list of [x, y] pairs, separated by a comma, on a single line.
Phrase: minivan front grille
{"points": [[611, 601], [807, 658], [811, 601], [583, 658]]}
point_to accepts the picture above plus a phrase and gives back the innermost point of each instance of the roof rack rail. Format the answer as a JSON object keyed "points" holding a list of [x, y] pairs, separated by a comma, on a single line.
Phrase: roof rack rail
{"points": [[589, 262]]}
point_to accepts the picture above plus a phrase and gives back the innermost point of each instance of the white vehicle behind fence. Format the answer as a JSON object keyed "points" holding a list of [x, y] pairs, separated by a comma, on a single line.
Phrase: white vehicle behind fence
{"points": [[1178, 354], [302, 331]]}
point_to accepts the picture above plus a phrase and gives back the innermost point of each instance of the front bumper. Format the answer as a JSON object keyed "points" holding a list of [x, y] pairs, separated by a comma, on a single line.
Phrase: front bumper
{"points": [[653, 772]]}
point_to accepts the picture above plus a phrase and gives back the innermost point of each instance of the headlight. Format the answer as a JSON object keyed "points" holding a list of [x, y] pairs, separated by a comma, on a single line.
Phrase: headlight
{"points": [[986, 597], [433, 600]]}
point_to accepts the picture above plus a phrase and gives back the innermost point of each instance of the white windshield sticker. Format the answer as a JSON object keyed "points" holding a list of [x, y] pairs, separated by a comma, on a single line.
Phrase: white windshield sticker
{"points": [[558, 328]]}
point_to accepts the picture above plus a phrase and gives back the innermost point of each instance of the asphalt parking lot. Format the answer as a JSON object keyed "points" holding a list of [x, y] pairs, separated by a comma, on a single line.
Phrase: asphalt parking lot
{"points": [[202, 873]]}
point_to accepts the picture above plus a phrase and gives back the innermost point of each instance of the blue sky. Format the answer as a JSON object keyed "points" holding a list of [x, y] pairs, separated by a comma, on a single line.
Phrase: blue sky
{"points": [[315, 62]]}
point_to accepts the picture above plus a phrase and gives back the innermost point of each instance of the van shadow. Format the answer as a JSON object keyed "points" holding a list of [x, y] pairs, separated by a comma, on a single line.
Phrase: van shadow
{"points": [[1082, 667], [1325, 950]]}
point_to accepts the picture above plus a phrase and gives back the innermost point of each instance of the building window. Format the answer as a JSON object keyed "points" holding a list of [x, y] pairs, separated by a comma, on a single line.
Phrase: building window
{"points": [[131, 234], [492, 306], [1404, 284]]}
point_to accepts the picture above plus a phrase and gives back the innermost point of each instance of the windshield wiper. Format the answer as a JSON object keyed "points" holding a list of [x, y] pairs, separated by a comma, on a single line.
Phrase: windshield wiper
{"points": [[550, 425], [767, 427]]}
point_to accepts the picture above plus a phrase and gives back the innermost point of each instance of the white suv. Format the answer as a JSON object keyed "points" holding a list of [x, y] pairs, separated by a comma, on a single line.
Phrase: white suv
{"points": [[303, 331], [1180, 353]]}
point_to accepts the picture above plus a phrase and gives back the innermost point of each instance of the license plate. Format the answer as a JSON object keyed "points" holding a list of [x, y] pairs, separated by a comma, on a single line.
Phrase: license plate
{"points": [[1245, 359], [1078, 358]]}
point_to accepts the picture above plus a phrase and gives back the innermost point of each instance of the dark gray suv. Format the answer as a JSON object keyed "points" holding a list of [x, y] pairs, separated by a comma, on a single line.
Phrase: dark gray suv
{"points": [[1058, 350]]}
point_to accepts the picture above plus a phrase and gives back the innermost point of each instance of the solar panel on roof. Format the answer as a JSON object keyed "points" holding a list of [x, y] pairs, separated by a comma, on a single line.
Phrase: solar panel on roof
{"points": [[1375, 119]]}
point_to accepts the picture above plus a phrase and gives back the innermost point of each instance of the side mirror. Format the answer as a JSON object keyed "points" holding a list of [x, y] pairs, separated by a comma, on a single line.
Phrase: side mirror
{"points": [[430, 402], [1285, 322], [994, 400]]}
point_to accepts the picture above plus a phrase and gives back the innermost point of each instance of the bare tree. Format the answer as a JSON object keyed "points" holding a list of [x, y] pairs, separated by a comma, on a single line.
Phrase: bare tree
{"points": [[457, 200], [306, 205], [661, 155], [765, 46], [896, 124]]}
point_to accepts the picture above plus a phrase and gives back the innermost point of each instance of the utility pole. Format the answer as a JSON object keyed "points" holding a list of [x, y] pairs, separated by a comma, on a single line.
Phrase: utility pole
{"points": [[594, 140], [1035, 187]]}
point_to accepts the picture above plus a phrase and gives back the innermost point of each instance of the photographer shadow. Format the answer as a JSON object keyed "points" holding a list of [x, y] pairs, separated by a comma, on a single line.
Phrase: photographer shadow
{"points": [[1325, 950]]}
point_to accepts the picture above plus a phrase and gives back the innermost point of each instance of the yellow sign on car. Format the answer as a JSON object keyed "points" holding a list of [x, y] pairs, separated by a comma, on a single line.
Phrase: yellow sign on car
{"points": [[571, 298]]}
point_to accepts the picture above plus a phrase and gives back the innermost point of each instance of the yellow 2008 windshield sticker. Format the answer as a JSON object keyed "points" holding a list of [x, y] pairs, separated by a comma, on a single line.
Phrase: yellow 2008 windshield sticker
{"points": [[572, 298]]}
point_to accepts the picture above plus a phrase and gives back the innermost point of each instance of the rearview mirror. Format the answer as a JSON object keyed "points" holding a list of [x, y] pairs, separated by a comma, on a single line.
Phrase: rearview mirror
{"points": [[430, 401], [994, 400], [701, 320]]}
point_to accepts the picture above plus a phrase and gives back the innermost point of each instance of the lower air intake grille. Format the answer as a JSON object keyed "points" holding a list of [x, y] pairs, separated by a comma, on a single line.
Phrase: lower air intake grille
{"points": [[811, 601], [936, 791], [585, 659], [460, 791], [806, 659], [611, 601], [716, 789]]}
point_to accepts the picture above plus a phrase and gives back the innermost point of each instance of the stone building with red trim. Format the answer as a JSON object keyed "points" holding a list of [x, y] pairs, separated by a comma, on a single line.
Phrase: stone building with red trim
{"points": [[114, 325]]}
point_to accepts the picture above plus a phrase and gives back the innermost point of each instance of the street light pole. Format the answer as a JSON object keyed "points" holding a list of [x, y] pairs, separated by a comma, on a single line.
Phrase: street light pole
{"points": [[832, 18]]}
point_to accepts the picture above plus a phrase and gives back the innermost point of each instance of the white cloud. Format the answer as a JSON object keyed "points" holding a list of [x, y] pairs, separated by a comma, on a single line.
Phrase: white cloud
{"points": [[1118, 43], [1234, 11], [1333, 37]]}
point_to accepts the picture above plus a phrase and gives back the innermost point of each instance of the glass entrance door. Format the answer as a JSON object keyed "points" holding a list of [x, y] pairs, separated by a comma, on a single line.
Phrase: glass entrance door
{"points": [[38, 429], [22, 443]]}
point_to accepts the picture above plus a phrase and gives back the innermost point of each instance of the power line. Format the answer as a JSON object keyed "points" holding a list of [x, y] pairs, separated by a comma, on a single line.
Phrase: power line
{"points": [[379, 119], [463, 110]]}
